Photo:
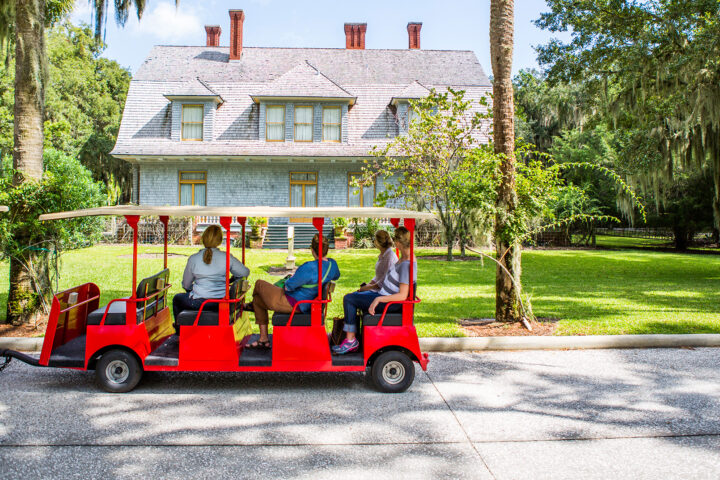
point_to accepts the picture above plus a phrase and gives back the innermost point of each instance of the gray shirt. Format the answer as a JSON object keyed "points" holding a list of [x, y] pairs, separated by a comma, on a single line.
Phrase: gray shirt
{"points": [[386, 261], [400, 273], [208, 280]]}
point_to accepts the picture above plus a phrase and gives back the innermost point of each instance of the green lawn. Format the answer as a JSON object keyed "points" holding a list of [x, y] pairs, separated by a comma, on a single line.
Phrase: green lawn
{"points": [[591, 291]]}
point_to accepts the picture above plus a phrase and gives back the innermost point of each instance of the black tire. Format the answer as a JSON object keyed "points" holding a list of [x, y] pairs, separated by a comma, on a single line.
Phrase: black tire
{"points": [[392, 372], [118, 371]]}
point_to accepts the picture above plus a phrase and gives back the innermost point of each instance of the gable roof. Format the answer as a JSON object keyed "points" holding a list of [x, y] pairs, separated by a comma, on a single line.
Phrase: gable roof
{"points": [[192, 89], [304, 81], [414, 90]]}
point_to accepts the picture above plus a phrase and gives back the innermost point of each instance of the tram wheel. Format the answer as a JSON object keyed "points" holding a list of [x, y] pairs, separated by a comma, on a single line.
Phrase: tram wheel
{"points": [[118, 371], [392, 372]]}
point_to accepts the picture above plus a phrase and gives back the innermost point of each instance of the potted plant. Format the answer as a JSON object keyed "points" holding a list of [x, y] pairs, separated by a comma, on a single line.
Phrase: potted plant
{"points": [[340, 225], [254, 223], [341, 242]]}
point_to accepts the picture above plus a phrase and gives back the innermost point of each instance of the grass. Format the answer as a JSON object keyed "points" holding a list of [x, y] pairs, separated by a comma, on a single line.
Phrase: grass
{"points": [[590, 291]]}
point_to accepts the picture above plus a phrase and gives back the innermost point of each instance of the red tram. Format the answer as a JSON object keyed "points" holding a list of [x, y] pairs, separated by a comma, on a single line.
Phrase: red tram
{"points": [[134, 334]]}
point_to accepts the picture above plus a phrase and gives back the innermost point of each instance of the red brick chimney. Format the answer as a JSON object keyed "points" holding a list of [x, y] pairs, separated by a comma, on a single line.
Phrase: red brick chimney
{"points": [[237, 17], [355, 36], [213, 35], [414, 35]]}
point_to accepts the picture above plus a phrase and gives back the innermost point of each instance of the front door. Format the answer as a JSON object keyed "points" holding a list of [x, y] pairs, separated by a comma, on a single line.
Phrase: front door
{"points": [[303, 192]]}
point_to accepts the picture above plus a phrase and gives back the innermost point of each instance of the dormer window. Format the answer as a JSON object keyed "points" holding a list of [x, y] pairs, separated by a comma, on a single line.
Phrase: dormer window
{"points": [[192, 122], [303, 124], [331, 124], [275, 123]]}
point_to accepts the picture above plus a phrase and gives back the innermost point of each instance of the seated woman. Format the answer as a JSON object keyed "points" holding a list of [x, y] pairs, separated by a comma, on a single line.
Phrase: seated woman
{"points": [[394, 288], [301, 286], [204, 276], [386, 260]]}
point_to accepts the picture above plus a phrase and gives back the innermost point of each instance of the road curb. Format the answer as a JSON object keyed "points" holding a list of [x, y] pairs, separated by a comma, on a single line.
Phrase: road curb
{"points": [[465, 344], [438, 344], [21, 344]]}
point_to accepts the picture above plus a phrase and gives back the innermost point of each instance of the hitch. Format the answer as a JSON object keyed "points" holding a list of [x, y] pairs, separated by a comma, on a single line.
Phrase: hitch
{"points": [[8, 358], [10, 354]]}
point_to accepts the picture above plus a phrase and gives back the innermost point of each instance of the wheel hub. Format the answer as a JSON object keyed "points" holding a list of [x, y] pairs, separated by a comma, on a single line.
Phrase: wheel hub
{"points": [[117, 371], [393, 372]]}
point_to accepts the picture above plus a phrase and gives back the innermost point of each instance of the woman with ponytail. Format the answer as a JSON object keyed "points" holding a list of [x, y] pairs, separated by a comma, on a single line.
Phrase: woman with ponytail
{"points": [[204, 276]]}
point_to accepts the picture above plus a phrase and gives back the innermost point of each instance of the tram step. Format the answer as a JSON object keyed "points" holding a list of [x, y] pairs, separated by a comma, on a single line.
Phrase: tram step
{"points": [[252, 357], [354, 359], [71, 354], [167, 354]]}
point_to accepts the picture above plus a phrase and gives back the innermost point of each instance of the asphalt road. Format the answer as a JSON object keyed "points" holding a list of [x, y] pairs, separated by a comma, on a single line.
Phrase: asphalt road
{"points": [[606, 414]]}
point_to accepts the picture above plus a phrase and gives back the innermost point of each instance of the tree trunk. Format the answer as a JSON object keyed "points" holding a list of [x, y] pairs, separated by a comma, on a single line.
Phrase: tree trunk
{"points": [[30, 77], [507, 306]]}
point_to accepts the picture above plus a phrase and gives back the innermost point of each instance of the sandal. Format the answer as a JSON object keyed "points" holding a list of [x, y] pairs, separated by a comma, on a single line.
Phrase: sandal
{"points": [[259, 345]]}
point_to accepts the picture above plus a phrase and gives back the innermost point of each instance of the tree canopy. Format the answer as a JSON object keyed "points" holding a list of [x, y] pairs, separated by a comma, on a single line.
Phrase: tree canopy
{"points": [[654, 74], [84, 98]]}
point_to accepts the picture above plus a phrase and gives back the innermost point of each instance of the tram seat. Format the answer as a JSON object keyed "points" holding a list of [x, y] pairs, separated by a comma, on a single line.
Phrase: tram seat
{"points": [[145, 309], [210, 315], [303, 319], [393, 318]]}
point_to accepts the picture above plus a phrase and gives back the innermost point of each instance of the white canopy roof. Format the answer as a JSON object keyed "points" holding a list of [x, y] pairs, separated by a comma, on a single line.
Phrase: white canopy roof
{"points": [[192, 211], [3, 208]]}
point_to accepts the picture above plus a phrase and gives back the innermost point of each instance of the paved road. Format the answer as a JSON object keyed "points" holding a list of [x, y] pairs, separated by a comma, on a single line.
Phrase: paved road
{"points": [[606, 414]]}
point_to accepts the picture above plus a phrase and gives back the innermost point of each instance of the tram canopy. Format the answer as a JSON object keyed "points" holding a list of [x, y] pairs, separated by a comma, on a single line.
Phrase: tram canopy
{"points": [[270, 212]]}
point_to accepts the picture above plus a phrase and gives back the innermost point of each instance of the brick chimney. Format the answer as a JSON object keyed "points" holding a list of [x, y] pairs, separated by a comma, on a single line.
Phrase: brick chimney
{"points": [[237, 17], [355, 36], [213, 35], [414, 35]]}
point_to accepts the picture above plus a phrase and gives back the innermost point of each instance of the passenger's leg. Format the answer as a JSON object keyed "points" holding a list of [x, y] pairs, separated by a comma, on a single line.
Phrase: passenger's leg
{"points": [[267, 296], [351, 303], [181, 302]]}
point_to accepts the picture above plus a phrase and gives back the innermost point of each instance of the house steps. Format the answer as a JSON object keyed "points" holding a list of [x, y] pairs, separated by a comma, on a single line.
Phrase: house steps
{"points": [[276, 236]]}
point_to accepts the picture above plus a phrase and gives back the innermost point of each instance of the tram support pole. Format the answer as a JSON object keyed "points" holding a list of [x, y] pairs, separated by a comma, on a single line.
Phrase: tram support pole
{"points": [[242, 221], [133, 220], [318, 223], [224, 307], [164, 219], [409, 309]]}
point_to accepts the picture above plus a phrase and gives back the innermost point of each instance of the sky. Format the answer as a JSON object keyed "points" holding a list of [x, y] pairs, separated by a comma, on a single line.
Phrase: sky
{"points": [[447, 24]]}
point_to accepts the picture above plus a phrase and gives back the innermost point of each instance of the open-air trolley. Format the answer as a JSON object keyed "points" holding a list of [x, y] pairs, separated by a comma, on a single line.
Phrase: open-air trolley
{"points": [[134, 334]]}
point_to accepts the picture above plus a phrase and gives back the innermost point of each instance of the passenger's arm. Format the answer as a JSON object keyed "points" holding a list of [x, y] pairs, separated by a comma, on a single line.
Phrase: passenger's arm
{"points": [[299, 279], [188, 276], [395, 297], [237, 268]]}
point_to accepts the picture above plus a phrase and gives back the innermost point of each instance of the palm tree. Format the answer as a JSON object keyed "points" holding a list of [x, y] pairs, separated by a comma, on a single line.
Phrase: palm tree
{"points": [[25, 21], [507, 248]]}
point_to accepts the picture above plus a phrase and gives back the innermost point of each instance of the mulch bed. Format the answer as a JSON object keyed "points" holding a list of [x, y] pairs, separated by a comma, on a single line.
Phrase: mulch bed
{"points": [[456, 258], [281, 271], [488, 327], [24, 330], [154, 255]]}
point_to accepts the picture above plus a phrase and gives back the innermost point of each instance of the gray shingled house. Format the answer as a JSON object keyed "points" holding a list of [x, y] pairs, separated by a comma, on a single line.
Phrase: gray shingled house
{"points": [[213, 125]]}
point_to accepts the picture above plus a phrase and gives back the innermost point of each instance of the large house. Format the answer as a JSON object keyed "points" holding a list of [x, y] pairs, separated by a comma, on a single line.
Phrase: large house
{"points": [[214, 125]]}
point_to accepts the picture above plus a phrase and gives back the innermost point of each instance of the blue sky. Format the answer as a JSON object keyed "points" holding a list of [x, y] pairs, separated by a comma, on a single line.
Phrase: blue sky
{"points": [[447, 24]]}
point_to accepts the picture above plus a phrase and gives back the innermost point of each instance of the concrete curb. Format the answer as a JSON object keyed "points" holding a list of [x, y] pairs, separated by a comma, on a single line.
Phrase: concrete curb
{"points": [[438, 344], [464, 344], [21, 344]]}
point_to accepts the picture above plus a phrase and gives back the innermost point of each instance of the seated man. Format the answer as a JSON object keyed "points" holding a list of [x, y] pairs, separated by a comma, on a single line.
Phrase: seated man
{"points": [[301, 286], [204, 275]]}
